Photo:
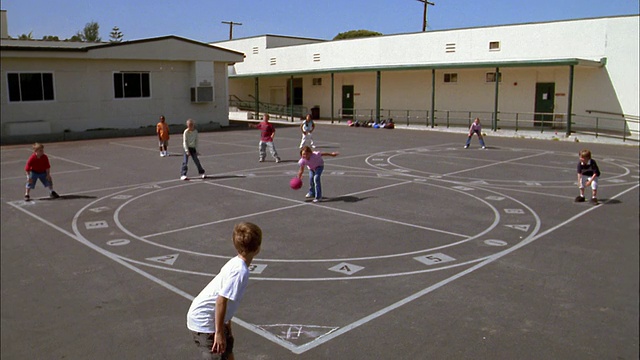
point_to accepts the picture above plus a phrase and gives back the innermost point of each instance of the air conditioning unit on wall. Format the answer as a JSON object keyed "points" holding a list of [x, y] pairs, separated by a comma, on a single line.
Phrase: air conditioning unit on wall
{"points": [[202, 94]]}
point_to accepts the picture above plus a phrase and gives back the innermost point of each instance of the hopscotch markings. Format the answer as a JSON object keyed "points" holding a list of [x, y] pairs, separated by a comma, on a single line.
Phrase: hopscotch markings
{"points": [[346, 268], [296, 333], [257, 268], [524, 228], [165, 259], [100, 209], [118, 242], [532, 183], [514, 211], [494, 242], [92, 225], [495, 198], [434, 259], [122, 197]]}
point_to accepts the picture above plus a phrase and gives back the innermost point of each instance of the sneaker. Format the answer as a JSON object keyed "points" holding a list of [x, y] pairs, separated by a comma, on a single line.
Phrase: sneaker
{"points": [[54, 195], [579, 198], [260, 160], [278, 160], [594, 201], [162, 154], [27, 198], [313, 146], [466, 146], [309, 195], [183, 177], [204, 176], [316, 200], [484, 147]]}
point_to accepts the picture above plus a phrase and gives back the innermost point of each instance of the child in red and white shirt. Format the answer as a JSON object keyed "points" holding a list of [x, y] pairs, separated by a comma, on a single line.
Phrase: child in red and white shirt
{"points": [[38, 167]]}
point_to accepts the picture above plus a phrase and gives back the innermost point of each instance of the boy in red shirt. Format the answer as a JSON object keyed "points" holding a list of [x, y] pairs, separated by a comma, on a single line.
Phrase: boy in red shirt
{"points": [[267, 133], [38, 167]]}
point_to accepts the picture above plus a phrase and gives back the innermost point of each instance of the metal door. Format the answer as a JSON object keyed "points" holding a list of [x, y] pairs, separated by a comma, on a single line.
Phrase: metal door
{"points": [[347, 101], [545, 104]]}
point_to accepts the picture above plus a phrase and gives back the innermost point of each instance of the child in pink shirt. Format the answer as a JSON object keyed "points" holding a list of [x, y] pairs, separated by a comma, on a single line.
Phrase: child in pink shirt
{"points": [[314, 162], [475, 128]]}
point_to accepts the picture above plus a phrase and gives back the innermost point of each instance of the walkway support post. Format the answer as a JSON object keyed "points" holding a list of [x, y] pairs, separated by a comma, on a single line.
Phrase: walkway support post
{"points": [[494, 125], [257, 104], [570, 100], [291, 97], [332, 95], [377, 120], [433, 98]]}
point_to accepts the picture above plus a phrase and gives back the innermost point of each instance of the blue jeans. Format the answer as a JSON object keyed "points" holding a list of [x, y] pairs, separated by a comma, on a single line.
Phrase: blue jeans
{"points": [[315, 185], [185, 162], [479, 138]]}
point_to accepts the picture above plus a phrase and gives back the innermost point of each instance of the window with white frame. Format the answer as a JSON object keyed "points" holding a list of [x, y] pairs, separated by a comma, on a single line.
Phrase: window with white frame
{"points": [[30, 86], [451, 77], [494, 46], [131, 85]]}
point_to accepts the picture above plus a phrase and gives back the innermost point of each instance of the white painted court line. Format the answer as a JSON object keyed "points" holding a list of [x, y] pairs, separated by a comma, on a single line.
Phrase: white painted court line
{"points": [[498, 163]]}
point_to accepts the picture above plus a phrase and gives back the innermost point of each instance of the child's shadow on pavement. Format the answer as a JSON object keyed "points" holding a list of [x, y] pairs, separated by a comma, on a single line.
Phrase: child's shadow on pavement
{"points": [[347, 199]]}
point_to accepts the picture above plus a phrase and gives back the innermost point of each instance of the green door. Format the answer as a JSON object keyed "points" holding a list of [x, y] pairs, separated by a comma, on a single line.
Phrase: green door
{"points": [[545, 104], [347, 101]]}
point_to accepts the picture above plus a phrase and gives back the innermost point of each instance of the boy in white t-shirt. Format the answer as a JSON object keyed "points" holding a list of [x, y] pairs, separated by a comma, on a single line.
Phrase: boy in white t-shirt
{"points": [[210, 313]]}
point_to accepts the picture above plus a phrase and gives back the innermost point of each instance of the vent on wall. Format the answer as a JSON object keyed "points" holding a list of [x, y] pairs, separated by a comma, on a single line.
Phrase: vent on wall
{"points": [[255, 50], [450, 47], [316, 57], [202, 94], [272, 61], [317, 82]]}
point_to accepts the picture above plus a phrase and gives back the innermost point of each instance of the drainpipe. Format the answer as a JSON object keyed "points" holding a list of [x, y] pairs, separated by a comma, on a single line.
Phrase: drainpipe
{"points": [[332, 94]]}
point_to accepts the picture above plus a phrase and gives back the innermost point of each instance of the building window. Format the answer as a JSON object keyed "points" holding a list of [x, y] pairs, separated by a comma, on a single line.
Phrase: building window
{"points": [[451, 78], [494, 46], [30, 86], [131, 85], [491, 77], [317, 81]]}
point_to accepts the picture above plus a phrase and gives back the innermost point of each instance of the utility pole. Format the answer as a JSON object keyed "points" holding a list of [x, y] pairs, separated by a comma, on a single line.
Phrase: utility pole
{"points": [[424, 13], [231, 23]]}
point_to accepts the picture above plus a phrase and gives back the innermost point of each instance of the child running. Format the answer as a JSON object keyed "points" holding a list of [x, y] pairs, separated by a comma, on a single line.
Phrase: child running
{"points": [[267, 133], [210, 313], [38, 168], [314, 162]]}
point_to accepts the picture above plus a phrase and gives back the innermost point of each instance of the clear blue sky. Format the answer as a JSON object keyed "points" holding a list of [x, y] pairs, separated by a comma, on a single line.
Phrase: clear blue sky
{"points": [[323, 19]]}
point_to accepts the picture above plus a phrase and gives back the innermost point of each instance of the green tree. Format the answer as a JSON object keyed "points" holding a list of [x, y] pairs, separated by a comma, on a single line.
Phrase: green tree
{"points": [[90, 33], [352, 34], [116, 35], [50, 38], [28, 36]]}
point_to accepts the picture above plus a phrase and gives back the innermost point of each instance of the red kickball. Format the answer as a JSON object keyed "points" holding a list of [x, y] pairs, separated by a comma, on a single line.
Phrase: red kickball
{"points": [[295, 183]]}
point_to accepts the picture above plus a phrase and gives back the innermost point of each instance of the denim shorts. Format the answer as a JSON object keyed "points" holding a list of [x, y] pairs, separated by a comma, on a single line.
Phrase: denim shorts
{"points": [[204, 341], [35, 176]]}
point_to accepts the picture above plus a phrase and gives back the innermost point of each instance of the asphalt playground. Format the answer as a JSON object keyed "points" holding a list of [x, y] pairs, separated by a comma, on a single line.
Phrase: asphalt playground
{"points": [[420, 249]]}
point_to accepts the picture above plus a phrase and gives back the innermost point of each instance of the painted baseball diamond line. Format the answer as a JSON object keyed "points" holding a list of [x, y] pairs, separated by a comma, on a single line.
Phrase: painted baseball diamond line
{"points": [[286, 339]]}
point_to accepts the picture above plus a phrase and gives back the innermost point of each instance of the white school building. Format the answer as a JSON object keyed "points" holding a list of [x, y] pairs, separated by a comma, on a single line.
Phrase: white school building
{"points": [[572, 73], [51, 87]]}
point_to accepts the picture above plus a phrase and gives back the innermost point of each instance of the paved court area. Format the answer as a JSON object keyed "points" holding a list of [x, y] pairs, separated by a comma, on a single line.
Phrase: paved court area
{"points": [[420, 250]]}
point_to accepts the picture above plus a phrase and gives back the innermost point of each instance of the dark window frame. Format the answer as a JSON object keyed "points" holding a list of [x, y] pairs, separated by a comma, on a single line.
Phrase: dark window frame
{"points": [[30, 86], [131, 84]]}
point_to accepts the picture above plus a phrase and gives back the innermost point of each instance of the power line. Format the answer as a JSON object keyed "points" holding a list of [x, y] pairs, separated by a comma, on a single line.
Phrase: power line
{"points": [[231, 23], [424, 13]]}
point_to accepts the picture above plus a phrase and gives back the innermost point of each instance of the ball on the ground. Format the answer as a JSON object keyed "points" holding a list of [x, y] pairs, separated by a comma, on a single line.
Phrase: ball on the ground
{"points": [[295, 183]]}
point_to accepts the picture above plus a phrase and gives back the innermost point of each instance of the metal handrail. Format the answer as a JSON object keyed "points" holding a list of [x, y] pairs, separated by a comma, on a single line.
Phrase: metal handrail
{"points": [[626, 128]]}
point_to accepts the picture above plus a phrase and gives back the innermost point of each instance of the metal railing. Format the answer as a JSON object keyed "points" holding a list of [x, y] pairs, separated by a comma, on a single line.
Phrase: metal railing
{"points": [[299, 111], [625, 127]]}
